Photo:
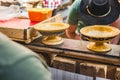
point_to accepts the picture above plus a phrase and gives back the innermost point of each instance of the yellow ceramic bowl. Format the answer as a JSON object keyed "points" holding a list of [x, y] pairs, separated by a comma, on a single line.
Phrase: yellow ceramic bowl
{"points": [[99, 32], [51, 27], [99, 35], [51, 32]]}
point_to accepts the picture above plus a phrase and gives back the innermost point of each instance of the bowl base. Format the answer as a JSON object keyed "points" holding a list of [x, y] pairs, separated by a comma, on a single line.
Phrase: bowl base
{"points": [[52, 40], [99, 48]]}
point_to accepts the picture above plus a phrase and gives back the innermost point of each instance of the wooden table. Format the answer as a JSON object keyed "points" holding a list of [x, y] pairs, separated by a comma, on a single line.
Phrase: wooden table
{"points": [[75, 51]]}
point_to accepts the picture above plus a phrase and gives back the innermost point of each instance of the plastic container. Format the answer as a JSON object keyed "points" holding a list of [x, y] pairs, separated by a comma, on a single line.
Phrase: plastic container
{"points": [[39, 14]]}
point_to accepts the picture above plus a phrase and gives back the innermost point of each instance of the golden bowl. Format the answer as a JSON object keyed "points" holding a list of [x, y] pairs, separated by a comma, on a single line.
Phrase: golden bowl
{"points": [[51, 32], [99, 35], [52, 27]]}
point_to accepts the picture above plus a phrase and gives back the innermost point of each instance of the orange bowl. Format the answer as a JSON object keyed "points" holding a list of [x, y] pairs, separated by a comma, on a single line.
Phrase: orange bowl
{"points": [[39, 14]]}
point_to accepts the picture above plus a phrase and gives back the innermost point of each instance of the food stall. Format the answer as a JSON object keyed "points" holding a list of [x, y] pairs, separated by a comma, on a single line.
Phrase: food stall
{"points": [[71, 55]]}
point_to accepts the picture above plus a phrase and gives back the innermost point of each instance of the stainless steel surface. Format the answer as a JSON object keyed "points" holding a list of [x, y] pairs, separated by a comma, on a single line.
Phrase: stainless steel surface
{"points": [[58, 74]]}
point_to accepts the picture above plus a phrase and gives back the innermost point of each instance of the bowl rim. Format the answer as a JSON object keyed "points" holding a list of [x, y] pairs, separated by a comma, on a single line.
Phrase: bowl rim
{"points": [[37, 27], [116, 31]]}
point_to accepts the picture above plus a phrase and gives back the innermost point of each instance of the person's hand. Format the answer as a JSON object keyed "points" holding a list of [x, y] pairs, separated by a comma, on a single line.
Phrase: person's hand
{"points": [[117, 25], [77, 37], [70, 32], [115, 40]]}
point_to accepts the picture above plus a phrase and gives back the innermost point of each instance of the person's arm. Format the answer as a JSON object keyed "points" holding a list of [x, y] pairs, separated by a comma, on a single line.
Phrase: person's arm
{"points": [[70, 32], [73, 21], [20, 63], [29, 68]]}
